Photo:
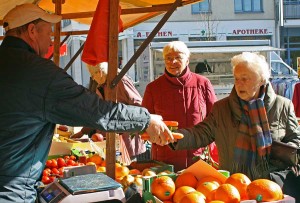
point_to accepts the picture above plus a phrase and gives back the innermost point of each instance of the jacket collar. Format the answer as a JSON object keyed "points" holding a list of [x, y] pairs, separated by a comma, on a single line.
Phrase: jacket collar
{"points": [[15, 42], [181, 80], [235, 107]]}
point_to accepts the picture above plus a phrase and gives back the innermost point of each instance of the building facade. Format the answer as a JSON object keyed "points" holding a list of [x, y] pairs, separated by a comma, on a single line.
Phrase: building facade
{"points": [[290, 32], [210, 20]]}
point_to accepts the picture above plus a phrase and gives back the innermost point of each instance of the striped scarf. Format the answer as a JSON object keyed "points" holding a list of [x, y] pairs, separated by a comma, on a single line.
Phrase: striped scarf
{"points": [[253, 143]]}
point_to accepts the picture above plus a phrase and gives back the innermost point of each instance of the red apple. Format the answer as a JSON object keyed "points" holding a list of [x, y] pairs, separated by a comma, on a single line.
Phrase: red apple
{"points": [[97, 137]]}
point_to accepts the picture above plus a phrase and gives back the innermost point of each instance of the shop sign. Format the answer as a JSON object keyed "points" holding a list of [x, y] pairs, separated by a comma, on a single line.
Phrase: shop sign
{"points": [[162, 34], [250, 32]]}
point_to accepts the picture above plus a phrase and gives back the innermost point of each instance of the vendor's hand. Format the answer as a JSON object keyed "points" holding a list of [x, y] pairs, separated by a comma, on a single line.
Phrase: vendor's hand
{"points": [[158, 131]]}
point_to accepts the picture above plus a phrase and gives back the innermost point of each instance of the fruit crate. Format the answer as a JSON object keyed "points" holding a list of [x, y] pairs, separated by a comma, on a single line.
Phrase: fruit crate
{"points": [[153, 165], [147, 181]]}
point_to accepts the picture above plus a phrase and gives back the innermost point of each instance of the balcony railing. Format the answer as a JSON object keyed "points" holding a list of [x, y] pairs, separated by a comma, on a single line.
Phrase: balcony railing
{"points": [[291, 9]]}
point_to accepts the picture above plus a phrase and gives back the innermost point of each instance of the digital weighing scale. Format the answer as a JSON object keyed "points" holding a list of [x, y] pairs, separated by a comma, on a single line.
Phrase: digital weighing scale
{"points": [[84, 189]]}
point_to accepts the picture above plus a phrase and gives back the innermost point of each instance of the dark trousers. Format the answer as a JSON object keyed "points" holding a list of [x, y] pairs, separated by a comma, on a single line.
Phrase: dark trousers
{"points": [[289, 182]]}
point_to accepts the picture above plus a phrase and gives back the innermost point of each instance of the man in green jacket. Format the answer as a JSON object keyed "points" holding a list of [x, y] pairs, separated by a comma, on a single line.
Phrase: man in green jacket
{"points": [[36, 94]]}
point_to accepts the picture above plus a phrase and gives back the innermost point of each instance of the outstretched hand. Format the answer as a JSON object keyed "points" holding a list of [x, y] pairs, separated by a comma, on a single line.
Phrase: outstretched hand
{"points": [[158, 131]]}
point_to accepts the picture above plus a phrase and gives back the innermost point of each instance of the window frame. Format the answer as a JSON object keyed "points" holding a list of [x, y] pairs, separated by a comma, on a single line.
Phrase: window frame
{"points": [[198, 10], [243, 9]]}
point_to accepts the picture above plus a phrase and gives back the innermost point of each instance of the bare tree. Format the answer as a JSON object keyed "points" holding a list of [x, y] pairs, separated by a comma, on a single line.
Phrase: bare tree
{"points": [[210, 26]]}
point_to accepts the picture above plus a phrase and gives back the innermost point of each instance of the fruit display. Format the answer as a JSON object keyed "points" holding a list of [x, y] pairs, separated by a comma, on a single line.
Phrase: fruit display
{"points": [[186, 188], [54, 168], [64, 131]]}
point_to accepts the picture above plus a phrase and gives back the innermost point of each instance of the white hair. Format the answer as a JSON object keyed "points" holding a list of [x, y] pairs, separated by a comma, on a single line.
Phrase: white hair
{"points": [[103, 67], [254, 61], [176, 46]]}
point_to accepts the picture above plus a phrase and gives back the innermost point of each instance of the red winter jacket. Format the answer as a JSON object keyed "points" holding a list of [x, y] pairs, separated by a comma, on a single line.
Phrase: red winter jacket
{"points": [[187, 99]]}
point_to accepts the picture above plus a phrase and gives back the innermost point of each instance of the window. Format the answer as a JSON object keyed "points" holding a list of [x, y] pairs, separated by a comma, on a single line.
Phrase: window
{"points": [[241, 6], [203, 7]]}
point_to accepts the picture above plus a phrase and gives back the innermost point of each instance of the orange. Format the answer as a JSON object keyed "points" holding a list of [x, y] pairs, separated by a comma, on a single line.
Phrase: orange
{"points": [[210, 179], [163, 187], [264, 190], [227, 193], [135, 172], [206, 187], [210, 196], [240, 182], [121, 172], [216, 201], [101, 169], [186, 179], [167, 201], [103, 163], [96, 158], [182, 191], [193, 197]]}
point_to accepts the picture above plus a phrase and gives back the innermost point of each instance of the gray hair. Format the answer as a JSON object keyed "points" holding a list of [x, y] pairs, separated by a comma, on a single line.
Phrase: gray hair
{"points": [[254, 61], [176, 46]]}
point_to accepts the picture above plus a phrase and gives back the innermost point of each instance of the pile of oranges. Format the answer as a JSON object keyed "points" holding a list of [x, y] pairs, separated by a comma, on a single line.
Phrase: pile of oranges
{"points": [[238, 187]]}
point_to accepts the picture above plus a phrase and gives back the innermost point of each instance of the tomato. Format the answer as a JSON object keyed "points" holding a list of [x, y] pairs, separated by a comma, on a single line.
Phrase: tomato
{"points": [[45, 179], [52, 178], [71, 162], [72, 157], [61, 171], [49, 163], [55, 171], [66, 158], [54, 163], [61, 162], [46, 172]]}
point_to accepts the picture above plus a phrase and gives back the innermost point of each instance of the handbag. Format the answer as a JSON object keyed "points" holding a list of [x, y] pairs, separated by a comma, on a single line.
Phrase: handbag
{"points": [[285, 153]]}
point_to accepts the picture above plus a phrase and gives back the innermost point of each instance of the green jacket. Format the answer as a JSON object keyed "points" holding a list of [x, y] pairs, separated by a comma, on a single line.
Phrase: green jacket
{"points": [[222, 125]]}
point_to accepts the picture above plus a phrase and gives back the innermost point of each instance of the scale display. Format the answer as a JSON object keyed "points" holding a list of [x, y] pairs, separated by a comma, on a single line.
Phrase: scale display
{"points": [[53, 193]]}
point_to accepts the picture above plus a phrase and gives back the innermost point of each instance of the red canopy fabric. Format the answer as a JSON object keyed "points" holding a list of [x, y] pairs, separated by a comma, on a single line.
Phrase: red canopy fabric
{"points": [[96, 47]]}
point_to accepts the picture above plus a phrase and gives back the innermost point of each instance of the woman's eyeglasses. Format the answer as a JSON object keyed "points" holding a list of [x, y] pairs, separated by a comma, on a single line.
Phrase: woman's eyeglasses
{"points": [[172, 58]]}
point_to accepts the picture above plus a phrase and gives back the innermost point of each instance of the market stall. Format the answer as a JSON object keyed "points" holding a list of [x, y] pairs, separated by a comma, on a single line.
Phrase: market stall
{"points": [[132, 13]]}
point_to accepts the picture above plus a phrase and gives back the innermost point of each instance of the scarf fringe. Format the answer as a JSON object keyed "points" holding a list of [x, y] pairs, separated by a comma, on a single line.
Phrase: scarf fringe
{"points": [[254, 171]]}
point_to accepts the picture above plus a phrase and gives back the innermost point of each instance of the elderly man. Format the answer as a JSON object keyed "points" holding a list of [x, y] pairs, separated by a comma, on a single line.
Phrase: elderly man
{"points": [[36, 94]]}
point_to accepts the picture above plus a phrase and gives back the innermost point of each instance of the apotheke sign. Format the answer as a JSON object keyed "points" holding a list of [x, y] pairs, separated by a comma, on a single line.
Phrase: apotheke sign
{"points": [[251, 32]]}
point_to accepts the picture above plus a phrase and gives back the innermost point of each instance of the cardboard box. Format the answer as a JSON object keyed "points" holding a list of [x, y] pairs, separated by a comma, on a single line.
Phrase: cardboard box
{"points": [[58, 148], [201, 169]]}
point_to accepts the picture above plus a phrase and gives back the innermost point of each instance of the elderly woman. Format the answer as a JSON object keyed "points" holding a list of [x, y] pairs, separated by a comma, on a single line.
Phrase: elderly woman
{"points": [[127, 94], [244, 124], [179, 95]]}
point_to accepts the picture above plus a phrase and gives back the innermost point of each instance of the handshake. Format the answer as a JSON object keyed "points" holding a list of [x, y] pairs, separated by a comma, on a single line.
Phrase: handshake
{"points": [[160, 132]]}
